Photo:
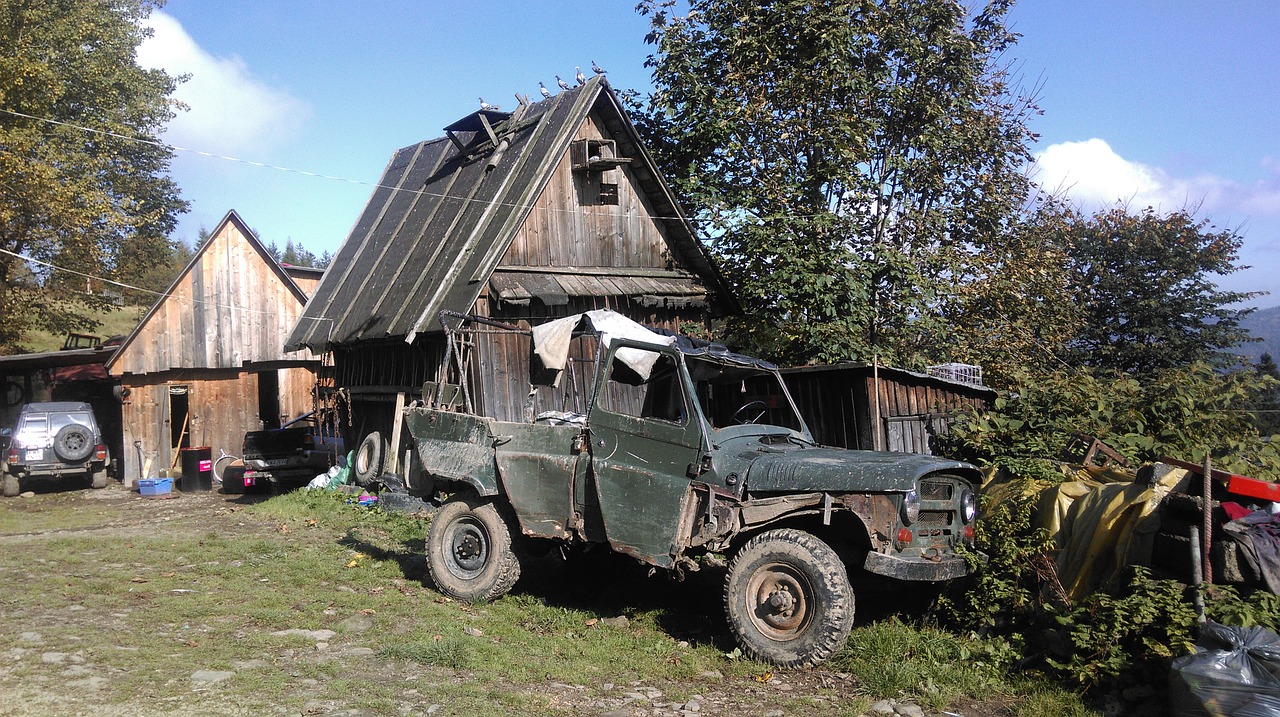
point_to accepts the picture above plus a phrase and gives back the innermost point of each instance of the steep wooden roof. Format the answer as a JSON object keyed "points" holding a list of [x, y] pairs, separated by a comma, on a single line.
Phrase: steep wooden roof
{"points": [[231, 305], [446, 210]]}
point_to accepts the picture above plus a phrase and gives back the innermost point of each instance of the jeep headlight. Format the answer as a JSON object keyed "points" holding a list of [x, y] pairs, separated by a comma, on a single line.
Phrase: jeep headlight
{"points": [[910, 507], [968, 506]]}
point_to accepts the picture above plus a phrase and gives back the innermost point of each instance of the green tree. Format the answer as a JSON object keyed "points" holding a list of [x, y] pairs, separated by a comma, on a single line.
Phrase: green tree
{"points": [[91, 200], [1266, 405], [846, 161], [1146, 284]]}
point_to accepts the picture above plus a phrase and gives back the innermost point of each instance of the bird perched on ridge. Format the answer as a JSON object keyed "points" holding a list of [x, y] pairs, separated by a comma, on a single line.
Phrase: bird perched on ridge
{"points": [[581, 78], [486, 106], [563, 85], [543, 89], [597, 69]]}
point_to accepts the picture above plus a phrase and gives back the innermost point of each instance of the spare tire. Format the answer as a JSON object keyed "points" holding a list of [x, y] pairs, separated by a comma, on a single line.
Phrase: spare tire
{"points": [[371, 458], [73, 443]]}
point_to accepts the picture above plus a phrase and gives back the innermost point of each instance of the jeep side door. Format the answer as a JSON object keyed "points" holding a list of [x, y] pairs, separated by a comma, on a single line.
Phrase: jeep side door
{"points": [[645, 440]]}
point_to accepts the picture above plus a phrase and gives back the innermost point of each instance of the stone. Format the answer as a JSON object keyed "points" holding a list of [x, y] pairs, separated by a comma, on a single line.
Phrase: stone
{"points": [[91, 683], [210, 677], [319, 635], [619, 621], [31, 637], [473, 631], [711, 675], [910, 710], [356, 623], [53, 658], [883, 707]]}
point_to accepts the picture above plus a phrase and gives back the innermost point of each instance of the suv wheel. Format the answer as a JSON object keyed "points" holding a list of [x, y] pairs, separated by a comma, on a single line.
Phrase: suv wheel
{"points": [[11, 487], [73, 443], [788, 599], [469, 551]]}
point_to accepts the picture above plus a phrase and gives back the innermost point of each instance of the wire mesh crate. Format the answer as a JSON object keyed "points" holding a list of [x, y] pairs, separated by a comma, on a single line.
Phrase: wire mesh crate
{"points": [[958, 372]]}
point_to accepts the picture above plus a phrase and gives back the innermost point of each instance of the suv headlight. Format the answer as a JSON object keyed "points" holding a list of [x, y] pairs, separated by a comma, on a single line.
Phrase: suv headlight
{"points": [[910, 507], [968, 506]]}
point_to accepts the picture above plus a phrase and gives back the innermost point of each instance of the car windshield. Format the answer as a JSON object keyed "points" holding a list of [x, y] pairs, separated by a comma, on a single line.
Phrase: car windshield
{"points": [[731, 394]]}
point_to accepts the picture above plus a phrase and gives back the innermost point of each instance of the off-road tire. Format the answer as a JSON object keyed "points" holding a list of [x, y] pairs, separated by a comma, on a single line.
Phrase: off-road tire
{"points": [[469, 550], [371, 458], [788, 600], [73, 443], [11, 484], [98, 479]]}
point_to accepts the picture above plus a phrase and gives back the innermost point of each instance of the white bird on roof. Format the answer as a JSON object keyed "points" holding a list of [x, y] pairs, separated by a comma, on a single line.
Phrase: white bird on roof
{"points": [[596, 68], [485, 105], [543, 89], [563, 85], [581, 78]]}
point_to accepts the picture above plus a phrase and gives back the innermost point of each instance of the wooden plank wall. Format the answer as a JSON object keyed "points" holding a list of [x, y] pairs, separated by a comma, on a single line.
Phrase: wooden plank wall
{"points": [[229, 308], [568, 226], [222, 406]]}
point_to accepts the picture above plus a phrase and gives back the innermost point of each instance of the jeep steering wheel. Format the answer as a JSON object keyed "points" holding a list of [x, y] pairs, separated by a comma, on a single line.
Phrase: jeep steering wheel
{"points": [[745, 415]]}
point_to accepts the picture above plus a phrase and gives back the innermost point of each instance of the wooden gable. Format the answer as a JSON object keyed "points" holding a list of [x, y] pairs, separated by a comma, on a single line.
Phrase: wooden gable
{"points": [[232, 305]]}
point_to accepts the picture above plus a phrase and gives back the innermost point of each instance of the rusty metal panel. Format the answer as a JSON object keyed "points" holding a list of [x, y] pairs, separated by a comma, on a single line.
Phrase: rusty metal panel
{"points": [[537, 464], [455, 446]]}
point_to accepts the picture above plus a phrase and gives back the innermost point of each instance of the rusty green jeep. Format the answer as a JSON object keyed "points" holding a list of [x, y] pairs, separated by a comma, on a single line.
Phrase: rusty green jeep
{"points": [[687, 450]]}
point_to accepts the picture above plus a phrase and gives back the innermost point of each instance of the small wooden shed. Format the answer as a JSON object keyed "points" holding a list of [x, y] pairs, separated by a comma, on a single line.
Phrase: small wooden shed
{"points": [[206, 363], [550, 210], [869, 407]]}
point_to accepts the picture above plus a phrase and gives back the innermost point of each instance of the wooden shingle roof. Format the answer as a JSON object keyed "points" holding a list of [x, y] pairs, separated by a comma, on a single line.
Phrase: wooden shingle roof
{"points": [[446, 210]]}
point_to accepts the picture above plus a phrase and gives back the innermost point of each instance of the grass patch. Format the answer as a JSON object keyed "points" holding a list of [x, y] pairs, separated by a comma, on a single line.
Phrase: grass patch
{"points": [[112, 322], [150, 609]]}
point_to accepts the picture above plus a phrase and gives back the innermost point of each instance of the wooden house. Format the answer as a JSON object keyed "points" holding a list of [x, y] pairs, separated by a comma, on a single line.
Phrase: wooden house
{"points": [[550, 210], [868, 407], [206, 363]]}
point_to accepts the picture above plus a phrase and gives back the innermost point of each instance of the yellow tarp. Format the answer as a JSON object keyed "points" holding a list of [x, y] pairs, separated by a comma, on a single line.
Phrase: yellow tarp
{"points": [[1101, 520]]}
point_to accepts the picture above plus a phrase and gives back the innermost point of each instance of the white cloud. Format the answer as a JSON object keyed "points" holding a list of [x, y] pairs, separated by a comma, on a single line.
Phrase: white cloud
{"points": [[1093, 175], [230, 110]]}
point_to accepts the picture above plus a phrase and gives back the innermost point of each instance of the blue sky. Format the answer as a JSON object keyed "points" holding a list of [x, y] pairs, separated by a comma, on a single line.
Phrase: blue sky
{"points": [[1170, 103]]}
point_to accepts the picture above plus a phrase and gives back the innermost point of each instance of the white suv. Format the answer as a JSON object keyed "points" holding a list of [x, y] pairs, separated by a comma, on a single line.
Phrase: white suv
{"points": [[53, 440]]}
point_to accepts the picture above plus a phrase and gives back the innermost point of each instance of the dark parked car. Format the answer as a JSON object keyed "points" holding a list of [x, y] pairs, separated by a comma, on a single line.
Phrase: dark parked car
{"points": [[285, 457], [53, 440]]}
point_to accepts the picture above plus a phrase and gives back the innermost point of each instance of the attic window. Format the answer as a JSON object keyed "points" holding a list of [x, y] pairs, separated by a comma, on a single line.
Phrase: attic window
{"points": [[608, 193], [595, 155]]}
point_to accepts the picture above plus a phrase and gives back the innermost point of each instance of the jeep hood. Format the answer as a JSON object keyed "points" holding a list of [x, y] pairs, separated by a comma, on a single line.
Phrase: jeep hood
{"points": [[835, 470]]}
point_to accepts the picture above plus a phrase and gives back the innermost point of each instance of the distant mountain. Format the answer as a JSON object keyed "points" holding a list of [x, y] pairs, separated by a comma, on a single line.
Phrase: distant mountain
{"points": [[1263, 324]]}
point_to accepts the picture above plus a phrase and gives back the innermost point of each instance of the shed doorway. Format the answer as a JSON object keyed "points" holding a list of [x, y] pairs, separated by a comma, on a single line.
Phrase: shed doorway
{"points": [[179, 420]]}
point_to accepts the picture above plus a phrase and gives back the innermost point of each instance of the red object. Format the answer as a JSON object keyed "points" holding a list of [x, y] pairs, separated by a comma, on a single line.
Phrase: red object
{"points": [[1254, 488], [1234, 511], [968, 532], [102, 452], [905, 535]]}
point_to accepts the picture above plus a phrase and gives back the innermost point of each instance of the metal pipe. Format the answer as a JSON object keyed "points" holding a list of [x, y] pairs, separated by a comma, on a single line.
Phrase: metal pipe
{"points": [[1197, 576], [1208, 519]]}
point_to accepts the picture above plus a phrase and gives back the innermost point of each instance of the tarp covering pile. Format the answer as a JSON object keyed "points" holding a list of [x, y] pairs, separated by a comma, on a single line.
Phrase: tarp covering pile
{"points": [[1101, 520]]}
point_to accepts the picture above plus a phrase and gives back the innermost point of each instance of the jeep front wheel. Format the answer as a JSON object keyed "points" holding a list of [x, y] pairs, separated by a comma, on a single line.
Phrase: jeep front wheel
{"points": [[788, 600], [469, 552]]}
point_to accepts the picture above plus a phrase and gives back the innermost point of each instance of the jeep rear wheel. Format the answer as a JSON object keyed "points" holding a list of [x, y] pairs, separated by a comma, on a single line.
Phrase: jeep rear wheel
{"points": [[73, 443], [788, 600], [469, 551], [11, 485]]}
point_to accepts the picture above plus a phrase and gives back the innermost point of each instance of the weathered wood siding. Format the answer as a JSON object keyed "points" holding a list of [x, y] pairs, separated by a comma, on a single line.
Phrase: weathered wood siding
{"points": [[839, 405], [229, 307], [221, 405], [569, 227]]}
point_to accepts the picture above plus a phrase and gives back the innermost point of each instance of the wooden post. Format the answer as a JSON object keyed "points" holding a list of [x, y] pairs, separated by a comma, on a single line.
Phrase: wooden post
{"points": [[876, 443], [397, 421], [1208, 519]]}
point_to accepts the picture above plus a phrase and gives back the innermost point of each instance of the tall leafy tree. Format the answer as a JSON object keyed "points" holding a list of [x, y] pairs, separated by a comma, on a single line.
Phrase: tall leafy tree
{"points": [[76, 188], [847, 160], [1146, 284]]}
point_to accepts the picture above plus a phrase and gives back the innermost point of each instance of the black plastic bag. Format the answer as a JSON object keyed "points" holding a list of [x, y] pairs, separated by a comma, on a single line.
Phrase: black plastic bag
{"points": [[1234, 672]]}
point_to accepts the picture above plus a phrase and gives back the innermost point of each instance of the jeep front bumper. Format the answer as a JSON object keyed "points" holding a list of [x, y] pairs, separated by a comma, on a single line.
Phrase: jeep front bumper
{"points": [[944, 567]]}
